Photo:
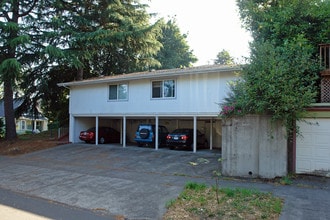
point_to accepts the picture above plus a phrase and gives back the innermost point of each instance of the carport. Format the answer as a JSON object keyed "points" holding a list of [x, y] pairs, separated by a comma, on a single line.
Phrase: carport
{"points": [[127, 125], [182, 97]]}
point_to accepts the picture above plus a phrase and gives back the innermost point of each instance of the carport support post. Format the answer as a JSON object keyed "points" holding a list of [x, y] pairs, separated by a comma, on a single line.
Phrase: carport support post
{"points": [[156, 131], [195, 134], [72, 123], [96, 130], [211, 134], [124, 132]]}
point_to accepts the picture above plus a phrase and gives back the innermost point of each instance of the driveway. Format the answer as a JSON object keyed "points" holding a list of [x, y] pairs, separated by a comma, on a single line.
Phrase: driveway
{"points": [[136, 182], [131, 182]]}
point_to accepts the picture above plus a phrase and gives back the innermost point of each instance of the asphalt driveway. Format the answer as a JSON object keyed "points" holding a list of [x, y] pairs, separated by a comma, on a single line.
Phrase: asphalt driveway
{"points": [[136, 182], [131, 182]]}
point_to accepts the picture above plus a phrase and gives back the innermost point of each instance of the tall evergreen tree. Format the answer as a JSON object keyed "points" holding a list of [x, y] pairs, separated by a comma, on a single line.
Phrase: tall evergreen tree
{"points": [[19, 44], [175, 52], [54, 99], [105, 36], [91, 38]]}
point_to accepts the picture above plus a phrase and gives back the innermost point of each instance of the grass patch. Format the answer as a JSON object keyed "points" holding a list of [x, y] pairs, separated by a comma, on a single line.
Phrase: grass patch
{"points": [[195, 186], [199, 202]]}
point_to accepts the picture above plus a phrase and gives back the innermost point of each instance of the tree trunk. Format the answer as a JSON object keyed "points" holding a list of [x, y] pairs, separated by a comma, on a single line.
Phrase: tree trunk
{"points": [[9, 111], [9, 78], [80, 73], [292, 149]]}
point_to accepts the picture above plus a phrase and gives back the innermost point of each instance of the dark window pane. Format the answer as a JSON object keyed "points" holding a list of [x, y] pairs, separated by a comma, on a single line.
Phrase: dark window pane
{"points": [[113, 92], [157, 89]]}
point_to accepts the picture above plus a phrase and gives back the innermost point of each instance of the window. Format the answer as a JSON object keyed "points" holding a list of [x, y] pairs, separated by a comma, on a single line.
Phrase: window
{"points": [[163, 89], [118, 92]]}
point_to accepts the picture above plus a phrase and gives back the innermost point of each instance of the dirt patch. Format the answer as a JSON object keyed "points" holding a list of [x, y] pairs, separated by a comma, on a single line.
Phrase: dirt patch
{"points": [[28, 143]]}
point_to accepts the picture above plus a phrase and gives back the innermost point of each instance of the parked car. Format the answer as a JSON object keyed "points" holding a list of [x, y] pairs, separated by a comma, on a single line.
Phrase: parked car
{"points": [[145, 135], [105, 135], [184, 138]]}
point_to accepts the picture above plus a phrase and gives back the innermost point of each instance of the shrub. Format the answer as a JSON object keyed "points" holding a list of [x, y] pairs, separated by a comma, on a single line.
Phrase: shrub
{"points": [[2, 128], [279, 81]]}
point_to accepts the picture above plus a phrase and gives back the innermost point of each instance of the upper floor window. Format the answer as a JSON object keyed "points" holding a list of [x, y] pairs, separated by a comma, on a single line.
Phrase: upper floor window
{"points": [[163, 89], [118, 92]]}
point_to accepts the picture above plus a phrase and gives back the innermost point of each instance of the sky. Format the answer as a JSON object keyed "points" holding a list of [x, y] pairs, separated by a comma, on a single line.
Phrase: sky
{"points": [[211, 25]]}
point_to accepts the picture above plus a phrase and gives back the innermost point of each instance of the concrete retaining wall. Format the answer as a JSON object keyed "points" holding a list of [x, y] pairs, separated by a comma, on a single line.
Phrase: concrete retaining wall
{"points": [[252, 146]]}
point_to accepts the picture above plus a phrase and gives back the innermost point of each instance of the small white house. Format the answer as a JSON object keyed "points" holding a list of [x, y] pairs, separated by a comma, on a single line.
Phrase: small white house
{"points": [[175, 98], [26, 122]]}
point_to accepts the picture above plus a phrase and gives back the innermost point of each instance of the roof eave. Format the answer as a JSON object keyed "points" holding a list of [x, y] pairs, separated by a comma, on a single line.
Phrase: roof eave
{"points": [[151, 75]]}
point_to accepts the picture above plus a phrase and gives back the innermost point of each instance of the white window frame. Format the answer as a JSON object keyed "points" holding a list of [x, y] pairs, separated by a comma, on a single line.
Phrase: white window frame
{"points": [[162, 92], [118, 98]]}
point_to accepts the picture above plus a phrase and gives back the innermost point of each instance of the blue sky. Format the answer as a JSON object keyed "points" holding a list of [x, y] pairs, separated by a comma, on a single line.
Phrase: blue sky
{"points": [[211, 25]]}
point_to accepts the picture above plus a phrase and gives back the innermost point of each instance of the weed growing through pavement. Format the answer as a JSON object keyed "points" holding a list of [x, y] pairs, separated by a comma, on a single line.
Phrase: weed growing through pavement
{"points": [[286, 180], [217, 176]]}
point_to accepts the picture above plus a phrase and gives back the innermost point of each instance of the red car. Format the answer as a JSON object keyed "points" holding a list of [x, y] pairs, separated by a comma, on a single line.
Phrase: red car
{"points": [[106, 135]]}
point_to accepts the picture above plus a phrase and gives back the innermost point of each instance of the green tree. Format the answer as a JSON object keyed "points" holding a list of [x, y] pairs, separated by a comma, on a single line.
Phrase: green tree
{"points": [[282, 73], [281, 80], [281, 20], [19, 46], [175, 52], [55, 102], [88, 39], [224, 58], [282, 77], [103, 37], [2, 131]]}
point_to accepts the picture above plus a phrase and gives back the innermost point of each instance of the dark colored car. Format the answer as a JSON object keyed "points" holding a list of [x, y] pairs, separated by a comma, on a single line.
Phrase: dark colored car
{"points": [[184, 138], [145, 135], [105, 135]]}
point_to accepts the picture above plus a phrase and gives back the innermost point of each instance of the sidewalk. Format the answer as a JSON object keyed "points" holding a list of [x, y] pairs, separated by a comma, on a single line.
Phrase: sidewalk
{"points": [[15, 205], [9, 213], [137, 182]]}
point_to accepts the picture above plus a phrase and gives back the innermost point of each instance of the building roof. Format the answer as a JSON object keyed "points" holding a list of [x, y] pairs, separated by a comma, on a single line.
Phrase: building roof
{"points": [[154, 74], [17, 103]]}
